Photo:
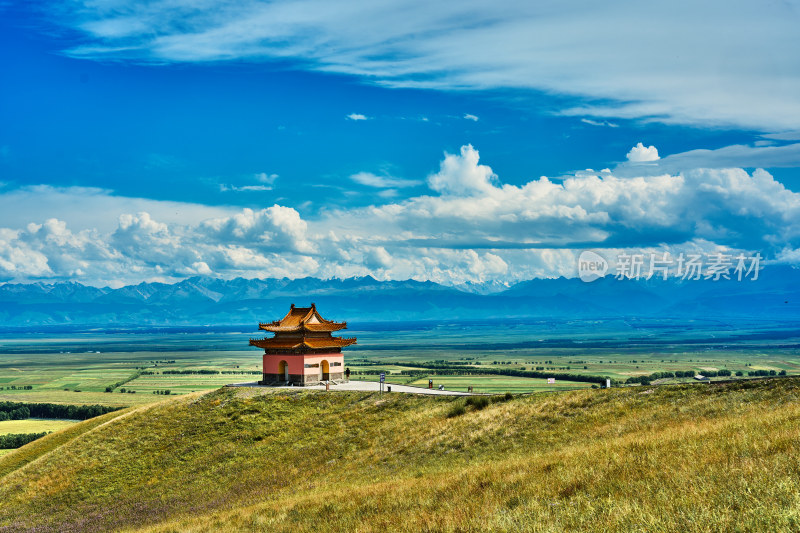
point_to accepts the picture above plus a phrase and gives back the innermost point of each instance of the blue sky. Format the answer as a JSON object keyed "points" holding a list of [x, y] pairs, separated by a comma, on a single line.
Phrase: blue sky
{"points": [[156, 140]]}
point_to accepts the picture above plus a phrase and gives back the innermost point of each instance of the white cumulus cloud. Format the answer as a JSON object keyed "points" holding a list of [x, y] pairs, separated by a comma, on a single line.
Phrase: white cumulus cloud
{"points": [[642, 154], [469, 227], [461, 174], [273, 228]]}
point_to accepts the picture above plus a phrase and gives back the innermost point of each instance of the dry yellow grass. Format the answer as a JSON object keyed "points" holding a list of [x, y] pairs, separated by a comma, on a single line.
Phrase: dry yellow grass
{"points": [[684, 458], [34, 425]]}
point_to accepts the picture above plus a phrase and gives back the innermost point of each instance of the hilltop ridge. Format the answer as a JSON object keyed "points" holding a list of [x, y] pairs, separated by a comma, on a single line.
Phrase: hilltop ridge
{"points": [[666, 458]]}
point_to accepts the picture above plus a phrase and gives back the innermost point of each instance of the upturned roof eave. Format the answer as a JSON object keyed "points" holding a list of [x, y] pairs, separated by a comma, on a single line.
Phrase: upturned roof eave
{"points": [[277, 328], [314, 344]]}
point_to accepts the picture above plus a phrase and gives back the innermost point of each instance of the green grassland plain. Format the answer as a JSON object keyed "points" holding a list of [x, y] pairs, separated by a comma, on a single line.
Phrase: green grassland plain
{"points": [[76, 367], [676, 458]]}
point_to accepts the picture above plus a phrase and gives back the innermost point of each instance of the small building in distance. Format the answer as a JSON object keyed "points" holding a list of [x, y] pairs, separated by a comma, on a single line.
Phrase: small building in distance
{"points": [[303, 351]]}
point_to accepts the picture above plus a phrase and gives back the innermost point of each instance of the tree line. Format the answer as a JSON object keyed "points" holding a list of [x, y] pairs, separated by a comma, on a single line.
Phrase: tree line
{"points": [[439, 368], [766, 373], [645, 380], [205, 371], [111, 388], [17, 440], [21, 411], [462, 371]]}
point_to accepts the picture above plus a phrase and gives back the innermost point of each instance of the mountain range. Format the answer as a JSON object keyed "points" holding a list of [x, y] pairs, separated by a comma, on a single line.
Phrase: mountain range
{"points": [[210, 301]]}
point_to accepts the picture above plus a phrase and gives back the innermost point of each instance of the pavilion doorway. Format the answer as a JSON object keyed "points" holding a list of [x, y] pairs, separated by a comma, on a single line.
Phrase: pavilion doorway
{"points": [[326, 370], [283, 368]]}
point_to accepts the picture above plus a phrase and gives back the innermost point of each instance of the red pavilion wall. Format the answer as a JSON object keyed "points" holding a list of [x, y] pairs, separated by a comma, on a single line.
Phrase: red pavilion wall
{"points": [[301, 367]]}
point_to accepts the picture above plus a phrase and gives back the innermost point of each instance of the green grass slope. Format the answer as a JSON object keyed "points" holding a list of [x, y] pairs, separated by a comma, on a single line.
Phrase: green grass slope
{"points": [[49, 443], [683, 458]]}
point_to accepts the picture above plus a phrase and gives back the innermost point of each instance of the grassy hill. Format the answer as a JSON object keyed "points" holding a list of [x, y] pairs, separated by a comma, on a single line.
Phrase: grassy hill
{"points": [[691, 458]]}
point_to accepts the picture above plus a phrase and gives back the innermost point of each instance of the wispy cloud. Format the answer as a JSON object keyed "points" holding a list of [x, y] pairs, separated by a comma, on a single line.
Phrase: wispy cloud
{"points": [[91, 207], [265, 182], [734, 156], [784, 136], [599, 123], [621, 53], [383, 182], [244, 188], [268, 179], [162, 161], [473, 118], [356, 116]]}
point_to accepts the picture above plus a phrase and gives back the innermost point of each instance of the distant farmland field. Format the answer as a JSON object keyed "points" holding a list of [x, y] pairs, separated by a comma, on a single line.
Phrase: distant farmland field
{"points": [[78, 367]]}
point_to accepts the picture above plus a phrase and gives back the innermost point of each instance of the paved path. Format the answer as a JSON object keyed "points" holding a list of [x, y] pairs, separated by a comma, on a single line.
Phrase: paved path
{"points": [[364, 386]]}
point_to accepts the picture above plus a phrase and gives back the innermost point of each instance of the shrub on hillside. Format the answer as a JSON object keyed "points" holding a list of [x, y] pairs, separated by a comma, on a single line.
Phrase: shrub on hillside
{"points": [[457, 410], [504, 398], [477, 402]]}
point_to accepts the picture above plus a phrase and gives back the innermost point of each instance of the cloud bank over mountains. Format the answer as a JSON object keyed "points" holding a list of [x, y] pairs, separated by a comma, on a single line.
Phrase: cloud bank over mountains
{"points": [[469, 227], [715, 62]]}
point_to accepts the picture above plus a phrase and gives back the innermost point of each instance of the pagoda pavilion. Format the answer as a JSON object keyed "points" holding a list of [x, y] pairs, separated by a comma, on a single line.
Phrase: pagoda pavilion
{"points": [[303, 351]]}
